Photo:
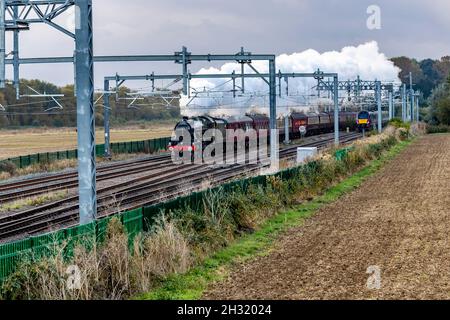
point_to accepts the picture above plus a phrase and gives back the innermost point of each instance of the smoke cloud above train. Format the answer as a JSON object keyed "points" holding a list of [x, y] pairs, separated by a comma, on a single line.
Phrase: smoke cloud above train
{"points": [[215, 96]]}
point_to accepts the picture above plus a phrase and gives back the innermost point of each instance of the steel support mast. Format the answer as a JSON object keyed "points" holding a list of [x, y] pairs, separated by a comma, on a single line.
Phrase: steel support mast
{"points": [[21, 15], [2, 43], [404, 103], [391, 104], [274, 158], [378, 97], [106, 117], [336, 109], [85, 111], [411, 97]]}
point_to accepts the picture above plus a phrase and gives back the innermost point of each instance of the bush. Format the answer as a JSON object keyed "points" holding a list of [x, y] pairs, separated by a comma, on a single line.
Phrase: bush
{"points": [[438, 129], [8, 166], [443, 111], [111, 270], [58, 123], [402, 134]]}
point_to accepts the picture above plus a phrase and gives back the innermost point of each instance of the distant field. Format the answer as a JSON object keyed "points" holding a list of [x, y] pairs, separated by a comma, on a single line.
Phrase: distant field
{"points": [[22, 142]]}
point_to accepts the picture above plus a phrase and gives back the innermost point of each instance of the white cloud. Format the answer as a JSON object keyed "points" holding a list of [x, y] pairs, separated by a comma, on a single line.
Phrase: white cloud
{"points": [[364, 60]]}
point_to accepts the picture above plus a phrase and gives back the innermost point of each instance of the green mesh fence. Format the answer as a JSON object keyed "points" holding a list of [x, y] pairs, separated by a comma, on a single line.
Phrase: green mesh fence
{"points": [[146, 146], [135, 221]]}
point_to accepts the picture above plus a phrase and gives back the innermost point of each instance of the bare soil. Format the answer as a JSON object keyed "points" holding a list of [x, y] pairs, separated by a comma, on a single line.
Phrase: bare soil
{"points": [[398, 220]]}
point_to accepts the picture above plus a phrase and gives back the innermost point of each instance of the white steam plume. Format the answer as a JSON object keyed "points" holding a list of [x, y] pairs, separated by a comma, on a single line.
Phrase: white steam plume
{"points": [[364, 60]]}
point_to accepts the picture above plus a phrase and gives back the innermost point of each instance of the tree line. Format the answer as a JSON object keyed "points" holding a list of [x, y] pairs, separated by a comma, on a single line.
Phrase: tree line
{"points": [[31, 111], [430, 77], [438, 110], [427, 74]]}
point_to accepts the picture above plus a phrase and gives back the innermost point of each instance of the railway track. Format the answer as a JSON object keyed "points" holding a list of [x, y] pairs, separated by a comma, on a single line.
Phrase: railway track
{"points": [[64, 181], [35, 186], [74, 173], [157, 185]]}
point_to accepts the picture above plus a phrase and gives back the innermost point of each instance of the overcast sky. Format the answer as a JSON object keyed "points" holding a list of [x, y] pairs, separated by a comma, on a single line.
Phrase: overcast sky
{"points": [[415, 28]]}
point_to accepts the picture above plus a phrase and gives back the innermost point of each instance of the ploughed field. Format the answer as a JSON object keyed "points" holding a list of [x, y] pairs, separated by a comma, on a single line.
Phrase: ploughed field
{"points": [[15, 143], [397, 222]]}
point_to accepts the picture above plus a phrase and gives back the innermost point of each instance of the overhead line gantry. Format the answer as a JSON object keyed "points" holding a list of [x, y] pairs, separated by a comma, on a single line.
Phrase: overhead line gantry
{"points": [[318, 75]]}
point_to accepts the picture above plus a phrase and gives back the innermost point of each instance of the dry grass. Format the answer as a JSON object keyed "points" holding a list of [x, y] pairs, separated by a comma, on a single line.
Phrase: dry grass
{"points": [[109, 271], [30, 141], [5, 176], [33, 201], [165, 252], [398, 133]]}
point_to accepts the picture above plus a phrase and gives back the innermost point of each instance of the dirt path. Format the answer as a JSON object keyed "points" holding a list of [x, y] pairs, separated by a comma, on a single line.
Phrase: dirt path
{"points": [[398, 221]]}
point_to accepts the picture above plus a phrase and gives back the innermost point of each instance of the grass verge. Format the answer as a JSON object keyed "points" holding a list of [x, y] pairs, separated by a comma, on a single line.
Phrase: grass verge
{"points": [[190, 286]]}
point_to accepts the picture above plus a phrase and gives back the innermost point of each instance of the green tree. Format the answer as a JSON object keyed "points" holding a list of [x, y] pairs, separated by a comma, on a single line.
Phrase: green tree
{"points": [[431, 77], [37, 111], [427, 74], [443, 110], [406, 66], [439, 104]]}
